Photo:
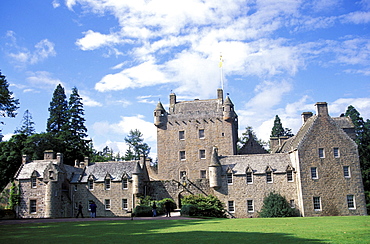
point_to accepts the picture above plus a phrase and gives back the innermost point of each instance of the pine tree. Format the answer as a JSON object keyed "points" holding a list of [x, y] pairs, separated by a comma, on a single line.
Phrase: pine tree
{"points": [[136, 145], [8, 104], [27, 127], [58, 118], [278, 129]]}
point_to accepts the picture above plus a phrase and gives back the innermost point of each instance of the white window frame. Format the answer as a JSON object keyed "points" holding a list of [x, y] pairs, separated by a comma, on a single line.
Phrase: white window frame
{"points": [[229, 178], [314, 173], [321, 153], [201, 134], [125, 183], [351, 203], [182, 155], [336, 152], [250, 206], [125, 203], [202, 154], [317, 202], [231, 206], [90, 184], [107, 204], [347, 172], [33, 206], [203, 174], [107, 184], [289, 176], [269, 177], [249, 177], [182, 135], [33, 182]]}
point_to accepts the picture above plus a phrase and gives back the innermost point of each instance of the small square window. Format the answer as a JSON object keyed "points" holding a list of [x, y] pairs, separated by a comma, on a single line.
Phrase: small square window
{"points": [[231, 207], [124, 183], [351, 201], [124, 204], [336, 152], [202, 154], [314, 173], [182, 155], [107, 204], [201, 134], [203, 174], [181, 135], [229, 178], [321, 153], [33, 206], [249, 178], [317, 203], [346, 172], [250, 206]]}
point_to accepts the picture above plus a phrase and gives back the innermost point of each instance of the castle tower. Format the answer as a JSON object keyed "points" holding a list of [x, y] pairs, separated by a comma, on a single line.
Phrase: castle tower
{"points": [[136, 179], [192, 128]]}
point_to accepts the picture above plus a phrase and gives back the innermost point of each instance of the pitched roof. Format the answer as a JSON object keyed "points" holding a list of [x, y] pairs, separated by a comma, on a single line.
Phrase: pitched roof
{"points": [[38, 166]]}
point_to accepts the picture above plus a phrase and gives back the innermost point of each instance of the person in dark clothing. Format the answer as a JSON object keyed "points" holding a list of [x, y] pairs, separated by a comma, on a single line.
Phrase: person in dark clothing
{"points": [[93, 209], [80, 210], [167, 206], [154, 209]]}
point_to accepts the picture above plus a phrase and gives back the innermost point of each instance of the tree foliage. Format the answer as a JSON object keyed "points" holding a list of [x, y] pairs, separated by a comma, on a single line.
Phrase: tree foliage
{"points": [[27, 127], [278, 130], [362, 130], [136, 144], [275, 205], [200, 205], [8, 104], [246, 135], [58, 112]]}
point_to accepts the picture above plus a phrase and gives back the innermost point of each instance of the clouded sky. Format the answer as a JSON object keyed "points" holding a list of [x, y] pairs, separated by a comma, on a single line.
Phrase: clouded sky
{"points": [[279, 57]]}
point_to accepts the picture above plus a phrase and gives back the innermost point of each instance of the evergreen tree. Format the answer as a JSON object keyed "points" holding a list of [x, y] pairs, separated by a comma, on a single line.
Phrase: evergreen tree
{"points": [[136, 145], [246, 135], [362, 130], [275, 205], [278, 130], [27, 127], [58, 118], [8, 104]]}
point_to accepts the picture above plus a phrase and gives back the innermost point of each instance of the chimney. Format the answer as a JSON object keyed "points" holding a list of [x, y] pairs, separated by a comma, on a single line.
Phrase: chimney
{"points": [[172, 102], [60, 158], [25, 159], [220, 94], [322, 109], [77, 163], [87, 161], [306, 116], [48, 155]]}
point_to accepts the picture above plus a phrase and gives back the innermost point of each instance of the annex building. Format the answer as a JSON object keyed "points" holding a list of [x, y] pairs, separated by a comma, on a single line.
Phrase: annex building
{"points": [[317, 170]]}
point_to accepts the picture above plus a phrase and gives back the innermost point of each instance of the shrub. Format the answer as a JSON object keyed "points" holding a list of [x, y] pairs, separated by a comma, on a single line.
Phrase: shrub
{"points": [[143, 211], [275, 205], [199, 205], [161, 207]]}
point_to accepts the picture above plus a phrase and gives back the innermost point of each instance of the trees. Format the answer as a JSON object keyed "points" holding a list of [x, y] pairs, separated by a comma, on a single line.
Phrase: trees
{"points": [[58, 118], [199, 205], [246, 135], [362, 130], [275, 205], [278, 130], [27, 127], [136, 144], [8, 104]]}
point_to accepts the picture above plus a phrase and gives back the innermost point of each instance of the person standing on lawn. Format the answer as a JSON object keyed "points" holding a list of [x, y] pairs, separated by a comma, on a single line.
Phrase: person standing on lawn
{"points": [[93, 209], [80, 210]]}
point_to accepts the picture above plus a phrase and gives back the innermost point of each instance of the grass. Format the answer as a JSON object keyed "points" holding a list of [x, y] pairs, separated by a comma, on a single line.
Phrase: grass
{"points": [[354, 229]]}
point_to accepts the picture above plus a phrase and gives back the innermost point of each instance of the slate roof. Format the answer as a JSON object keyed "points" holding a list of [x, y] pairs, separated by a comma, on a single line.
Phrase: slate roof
{"points": [[258, 162], [344, 122], [115, 169], [39, 166]]}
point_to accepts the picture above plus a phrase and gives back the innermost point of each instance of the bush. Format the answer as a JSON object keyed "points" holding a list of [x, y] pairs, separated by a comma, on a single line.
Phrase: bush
{"points": [[275, 205], [143, 211], [161, 207], [199, 205]]}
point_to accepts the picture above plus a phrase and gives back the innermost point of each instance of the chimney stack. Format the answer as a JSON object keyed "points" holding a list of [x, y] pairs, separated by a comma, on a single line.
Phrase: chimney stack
{"points": [[306, 116], [322, 109]]}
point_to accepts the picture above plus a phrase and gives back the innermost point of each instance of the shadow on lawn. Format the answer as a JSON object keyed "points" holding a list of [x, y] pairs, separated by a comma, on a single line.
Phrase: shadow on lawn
{"points": [[176, 231]]}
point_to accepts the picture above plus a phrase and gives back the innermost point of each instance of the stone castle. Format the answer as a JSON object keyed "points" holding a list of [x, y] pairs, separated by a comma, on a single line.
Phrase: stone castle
{"points": [[317, 170]]}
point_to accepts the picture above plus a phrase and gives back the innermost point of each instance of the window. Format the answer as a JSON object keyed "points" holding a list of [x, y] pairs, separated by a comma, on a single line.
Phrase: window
{"points": [[33, 206], [75, 187], [269, 177], [33, 182], [91, 184], [182, 175], [250, 206], [107, 204], [314, 173], [317, 203], [249, 178], [229, 178], [231, 207], [346, 172], [321, 153], [124, 183], [201, 134], [351, 201], [181, 135], [182, 155], [203, 174], [107, 184], [124, 204], [202, 154], [51, 175], [291, 203], [336, 152], [289, 175]]}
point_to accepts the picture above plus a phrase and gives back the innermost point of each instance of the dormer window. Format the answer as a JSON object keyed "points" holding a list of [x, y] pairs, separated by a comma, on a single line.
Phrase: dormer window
{"points": [[90, 184], [229, 178], [33, 182], [124, 183], [107, 184], [269, 175]]}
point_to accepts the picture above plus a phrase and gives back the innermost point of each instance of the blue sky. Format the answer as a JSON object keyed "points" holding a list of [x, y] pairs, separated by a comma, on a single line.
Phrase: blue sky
{"points": [[280, 57]]}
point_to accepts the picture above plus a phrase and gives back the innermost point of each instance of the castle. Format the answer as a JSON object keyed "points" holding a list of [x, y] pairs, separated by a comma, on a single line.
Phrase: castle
{"points": [[317, 170]]}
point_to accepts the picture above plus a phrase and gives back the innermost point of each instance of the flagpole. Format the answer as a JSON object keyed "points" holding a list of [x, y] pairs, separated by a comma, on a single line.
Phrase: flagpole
{"points": [[221, 72]]}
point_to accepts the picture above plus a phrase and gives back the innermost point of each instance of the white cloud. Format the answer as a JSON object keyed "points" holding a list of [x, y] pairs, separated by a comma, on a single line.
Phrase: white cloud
{"points": [[55, 4], [43, 79], [93, 40], [89, 102], [358, 17]]}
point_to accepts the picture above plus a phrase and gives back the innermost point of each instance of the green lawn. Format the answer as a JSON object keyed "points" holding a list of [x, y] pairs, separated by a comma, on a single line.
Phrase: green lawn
{"points": [[225, 231]]}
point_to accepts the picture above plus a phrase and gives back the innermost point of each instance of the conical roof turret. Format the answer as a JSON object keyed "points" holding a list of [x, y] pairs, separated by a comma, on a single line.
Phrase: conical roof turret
{"points": [[159, 107], [137, 169]]}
